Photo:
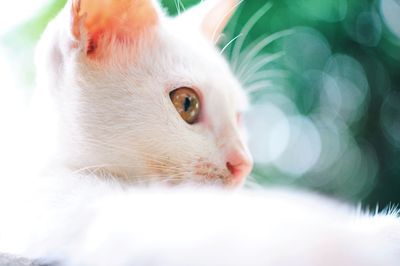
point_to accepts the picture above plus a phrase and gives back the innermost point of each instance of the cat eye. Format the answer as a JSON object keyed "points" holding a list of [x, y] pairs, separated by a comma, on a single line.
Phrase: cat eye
{"points": [[187, 103]]}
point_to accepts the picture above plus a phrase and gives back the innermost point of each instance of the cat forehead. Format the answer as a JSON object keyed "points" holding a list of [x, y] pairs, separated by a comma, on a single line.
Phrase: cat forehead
{"points": [[193, 60], [171, 54]]}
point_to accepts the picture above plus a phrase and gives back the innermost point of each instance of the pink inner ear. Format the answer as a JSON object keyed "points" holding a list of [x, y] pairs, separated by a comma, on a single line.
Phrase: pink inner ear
{"points": [[218, 17], [119, 19]]}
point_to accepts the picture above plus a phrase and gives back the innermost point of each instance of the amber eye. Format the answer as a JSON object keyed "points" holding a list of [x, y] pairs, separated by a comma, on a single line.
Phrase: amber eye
{"points": [[187, 103]]}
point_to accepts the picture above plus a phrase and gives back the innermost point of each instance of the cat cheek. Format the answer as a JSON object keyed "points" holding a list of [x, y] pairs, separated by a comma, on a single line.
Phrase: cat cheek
{"points": [[204, 120]]}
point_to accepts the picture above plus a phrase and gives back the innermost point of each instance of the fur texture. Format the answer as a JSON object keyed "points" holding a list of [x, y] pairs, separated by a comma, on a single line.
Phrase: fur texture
{"points": [[80, 220], [104, 121], [112, 107]]}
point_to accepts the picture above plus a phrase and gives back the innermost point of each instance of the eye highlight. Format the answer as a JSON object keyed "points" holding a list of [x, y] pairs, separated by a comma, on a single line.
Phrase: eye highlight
{"points": [[187, 103]]}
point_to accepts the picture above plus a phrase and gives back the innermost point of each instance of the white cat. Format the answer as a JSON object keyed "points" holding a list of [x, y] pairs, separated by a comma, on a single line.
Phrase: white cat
{"points": [[128, 96]]}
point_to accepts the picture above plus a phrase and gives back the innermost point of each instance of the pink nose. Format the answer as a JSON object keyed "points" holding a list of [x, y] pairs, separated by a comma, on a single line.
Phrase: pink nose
{"points": [[239, 165]]}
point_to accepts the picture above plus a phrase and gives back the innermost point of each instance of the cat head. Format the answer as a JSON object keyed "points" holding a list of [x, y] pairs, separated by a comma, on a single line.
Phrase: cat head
{"points": [[143, 96]]}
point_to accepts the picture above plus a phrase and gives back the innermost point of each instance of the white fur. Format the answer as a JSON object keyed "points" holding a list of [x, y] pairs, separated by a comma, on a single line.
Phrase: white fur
{"points": [[121, 113], [80, 220], [101, 125]]}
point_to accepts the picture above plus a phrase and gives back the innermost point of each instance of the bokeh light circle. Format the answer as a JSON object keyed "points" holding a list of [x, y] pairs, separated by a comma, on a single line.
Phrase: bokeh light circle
{"points": [[390, 10], [303, 149], [269, 132], [306, 49], [390, 118]]}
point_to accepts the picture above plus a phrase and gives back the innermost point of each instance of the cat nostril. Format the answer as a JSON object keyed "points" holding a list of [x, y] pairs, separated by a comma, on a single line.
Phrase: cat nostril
{"points": [[239, 165], [231, 168]]}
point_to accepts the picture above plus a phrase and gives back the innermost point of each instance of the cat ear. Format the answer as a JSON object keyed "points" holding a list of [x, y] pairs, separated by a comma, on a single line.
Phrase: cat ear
{"points": [[212, 16], [97, 21]]}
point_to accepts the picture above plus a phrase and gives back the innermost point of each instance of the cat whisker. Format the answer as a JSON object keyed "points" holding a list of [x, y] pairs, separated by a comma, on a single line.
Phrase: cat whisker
{"points": [[127, 151], [261, 85], [257, 46], [248, 62], [158, 179], [264, 74], [182, 6], [257, 64], [178, 5], [143, 178], [245, 32], [221, 21], [252, 183], [233, 25], [175, 172], [101, 167], [229, 43]]}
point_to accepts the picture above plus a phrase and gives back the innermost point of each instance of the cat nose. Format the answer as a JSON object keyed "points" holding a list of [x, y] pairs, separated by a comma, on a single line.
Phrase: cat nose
{"points": [[239, 165]]}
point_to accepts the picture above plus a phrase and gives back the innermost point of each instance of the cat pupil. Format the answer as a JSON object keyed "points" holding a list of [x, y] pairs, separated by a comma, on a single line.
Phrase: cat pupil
{"points": [[187, 104]]}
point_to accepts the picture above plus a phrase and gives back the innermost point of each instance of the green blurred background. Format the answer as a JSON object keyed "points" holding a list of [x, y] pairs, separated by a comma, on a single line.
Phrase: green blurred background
{"points": [[326, 100]]}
